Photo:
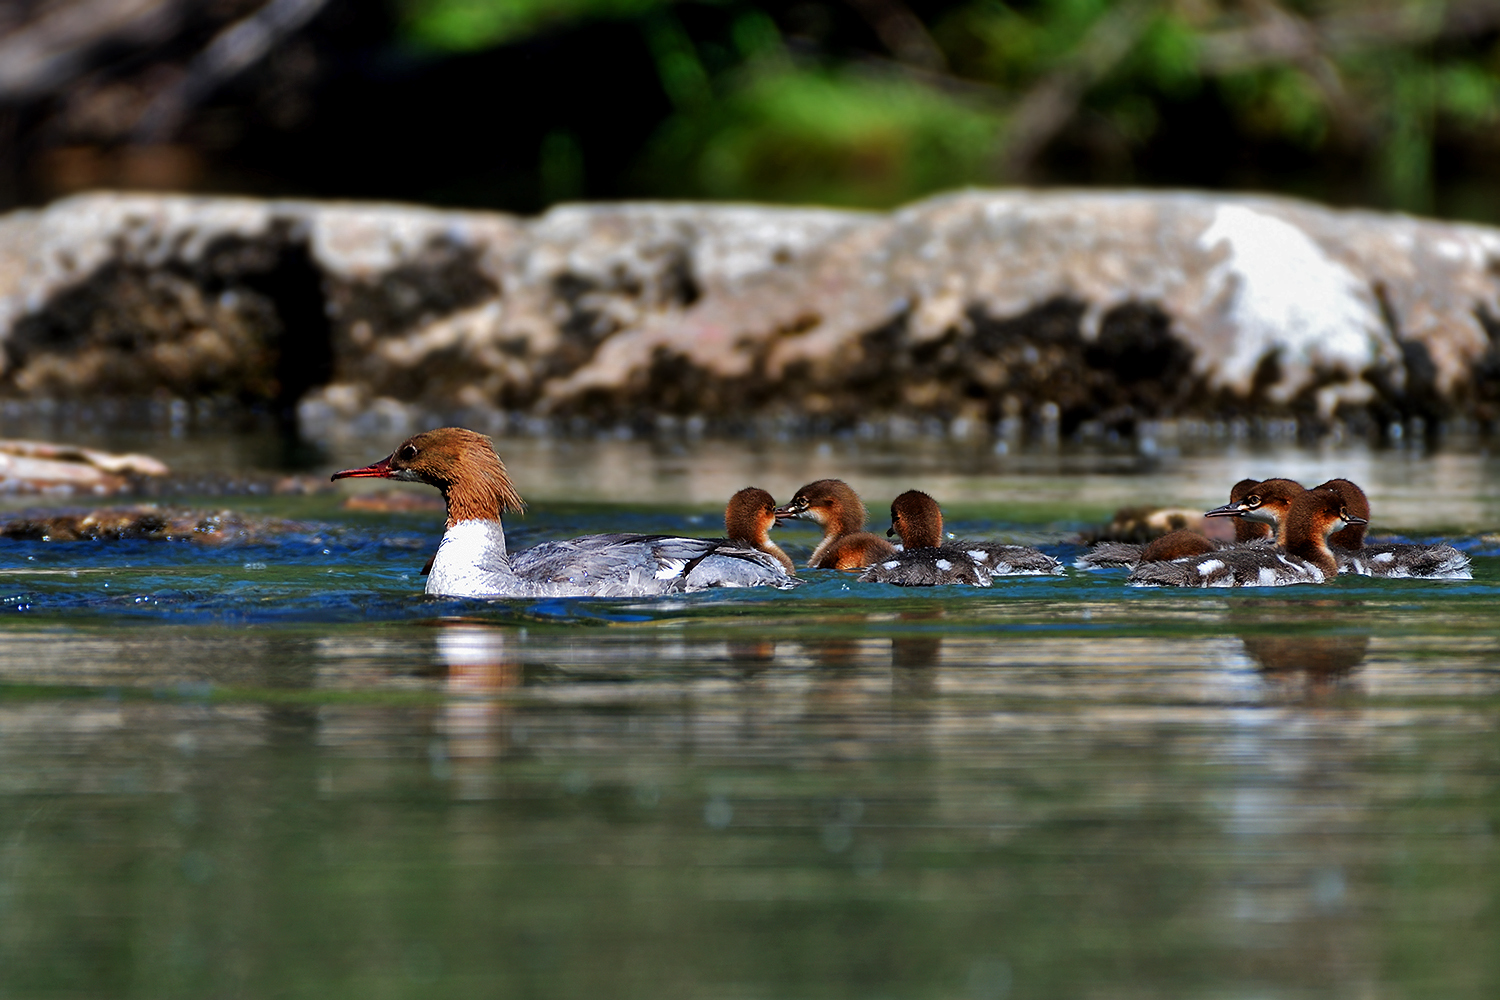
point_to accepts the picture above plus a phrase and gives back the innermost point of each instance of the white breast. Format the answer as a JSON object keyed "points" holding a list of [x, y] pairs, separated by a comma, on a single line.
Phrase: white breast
{"points": [[471, 562]]}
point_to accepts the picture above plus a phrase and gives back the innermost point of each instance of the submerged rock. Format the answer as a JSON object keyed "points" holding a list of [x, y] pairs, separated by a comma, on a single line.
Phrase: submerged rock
{"points": [[1057, 311], [45, 467], [148, 522]]}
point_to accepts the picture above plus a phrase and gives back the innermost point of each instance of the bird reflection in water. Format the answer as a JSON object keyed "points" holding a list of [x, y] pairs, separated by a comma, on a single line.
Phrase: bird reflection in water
{"points": [[479, 669], [1301, 664], [914, 658], [749, 658]]}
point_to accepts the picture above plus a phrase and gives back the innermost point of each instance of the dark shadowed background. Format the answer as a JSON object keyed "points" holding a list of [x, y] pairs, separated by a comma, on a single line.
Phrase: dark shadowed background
{"points": [[517, 104]]}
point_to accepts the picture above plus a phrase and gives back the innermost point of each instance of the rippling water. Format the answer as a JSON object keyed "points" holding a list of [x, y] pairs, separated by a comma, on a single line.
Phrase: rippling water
{"points": [[274, 769]]}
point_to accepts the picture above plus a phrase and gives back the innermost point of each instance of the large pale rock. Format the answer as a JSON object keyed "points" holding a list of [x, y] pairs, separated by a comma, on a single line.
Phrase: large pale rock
{"points": [[1099, 308]]}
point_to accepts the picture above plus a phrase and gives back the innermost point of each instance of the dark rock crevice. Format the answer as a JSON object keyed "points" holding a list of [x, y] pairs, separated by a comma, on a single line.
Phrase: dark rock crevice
{"points": [[246, 320]]}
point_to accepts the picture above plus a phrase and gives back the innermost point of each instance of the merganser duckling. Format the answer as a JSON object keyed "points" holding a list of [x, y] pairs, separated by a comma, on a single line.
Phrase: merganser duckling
{"points": [[1389, 559], [920, 513], [1300, 556], [833, 505], [749, 517], [472, 561], [1177, 544], [1266, 503], [924, 561]]}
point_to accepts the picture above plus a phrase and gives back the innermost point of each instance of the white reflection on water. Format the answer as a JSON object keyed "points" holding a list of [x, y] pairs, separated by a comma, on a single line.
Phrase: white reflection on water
{"points": [[479, 667]]}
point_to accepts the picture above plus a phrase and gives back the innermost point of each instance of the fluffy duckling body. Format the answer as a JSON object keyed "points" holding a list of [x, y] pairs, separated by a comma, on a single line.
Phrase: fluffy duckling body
{"points": [[1177, 544], [837, 509], [1300, 556], [1397, 560], [924, 561]]}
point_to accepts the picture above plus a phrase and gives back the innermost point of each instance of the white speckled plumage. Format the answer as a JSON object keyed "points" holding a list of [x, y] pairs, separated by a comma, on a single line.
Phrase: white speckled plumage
{"points": [[1406, 561], [1301, 554], [1000, 559], [929, 567]]}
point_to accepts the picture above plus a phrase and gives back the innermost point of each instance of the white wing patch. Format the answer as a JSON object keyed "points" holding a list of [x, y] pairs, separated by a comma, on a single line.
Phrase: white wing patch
{"points": [[944, 565], [1267, 576], [1209, 566], [1384, 557], [890, 565], [669, 569]]}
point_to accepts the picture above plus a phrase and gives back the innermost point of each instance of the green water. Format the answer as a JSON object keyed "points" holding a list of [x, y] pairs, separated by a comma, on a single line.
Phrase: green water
{"points": [[274, 771]]}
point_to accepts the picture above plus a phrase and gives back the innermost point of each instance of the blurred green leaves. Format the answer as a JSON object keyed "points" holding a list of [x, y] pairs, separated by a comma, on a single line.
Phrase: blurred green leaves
{"points": [[766, 110], [460, 25], [826, 136]]}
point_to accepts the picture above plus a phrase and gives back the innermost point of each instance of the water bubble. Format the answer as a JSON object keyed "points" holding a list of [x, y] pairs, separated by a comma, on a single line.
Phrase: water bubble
{"points": [[197, 867], [248, 565], [990, 979], [184, 811], [717, 812], [1329, 890], [437, 760], [422, 963]]}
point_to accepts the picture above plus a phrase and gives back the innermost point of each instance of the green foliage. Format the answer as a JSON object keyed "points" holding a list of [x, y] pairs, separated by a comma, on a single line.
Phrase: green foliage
{"points": [[1277, 101], [1468, 93], [1167, 57], [460, 25], [834, 138], [1330, 81]]}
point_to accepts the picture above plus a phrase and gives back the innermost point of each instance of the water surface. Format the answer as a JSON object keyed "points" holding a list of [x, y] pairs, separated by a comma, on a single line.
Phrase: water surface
{"points": [[273, 769]]}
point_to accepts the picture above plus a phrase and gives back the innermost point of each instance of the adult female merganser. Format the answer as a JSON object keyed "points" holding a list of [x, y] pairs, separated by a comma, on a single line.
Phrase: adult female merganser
{"points": [[472, 561], [1176, 544], [1300, 556], [831, 504], [1389, 559], [924, 561]]}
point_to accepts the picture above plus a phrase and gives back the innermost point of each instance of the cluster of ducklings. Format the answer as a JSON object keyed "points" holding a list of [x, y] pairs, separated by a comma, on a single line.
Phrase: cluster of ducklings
{"points": [[1284, 534], [924, 558]]}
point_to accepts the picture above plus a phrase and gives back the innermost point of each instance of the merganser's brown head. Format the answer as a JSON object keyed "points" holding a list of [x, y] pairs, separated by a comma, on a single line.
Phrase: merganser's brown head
{"points": [[1245, 529], [1311, 518], [1267, 502], [749, 517], [1352, 537], [828, 502], [918, 519], [459, 462]]}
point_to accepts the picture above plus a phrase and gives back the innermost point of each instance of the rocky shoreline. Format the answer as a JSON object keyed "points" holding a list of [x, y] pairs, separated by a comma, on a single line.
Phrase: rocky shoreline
{"points": [[1008, 313]]}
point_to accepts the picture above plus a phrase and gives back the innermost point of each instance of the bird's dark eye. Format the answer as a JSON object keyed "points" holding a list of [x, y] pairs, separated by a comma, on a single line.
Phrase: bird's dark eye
{"points": [[1252, 501], [407, 453]]}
